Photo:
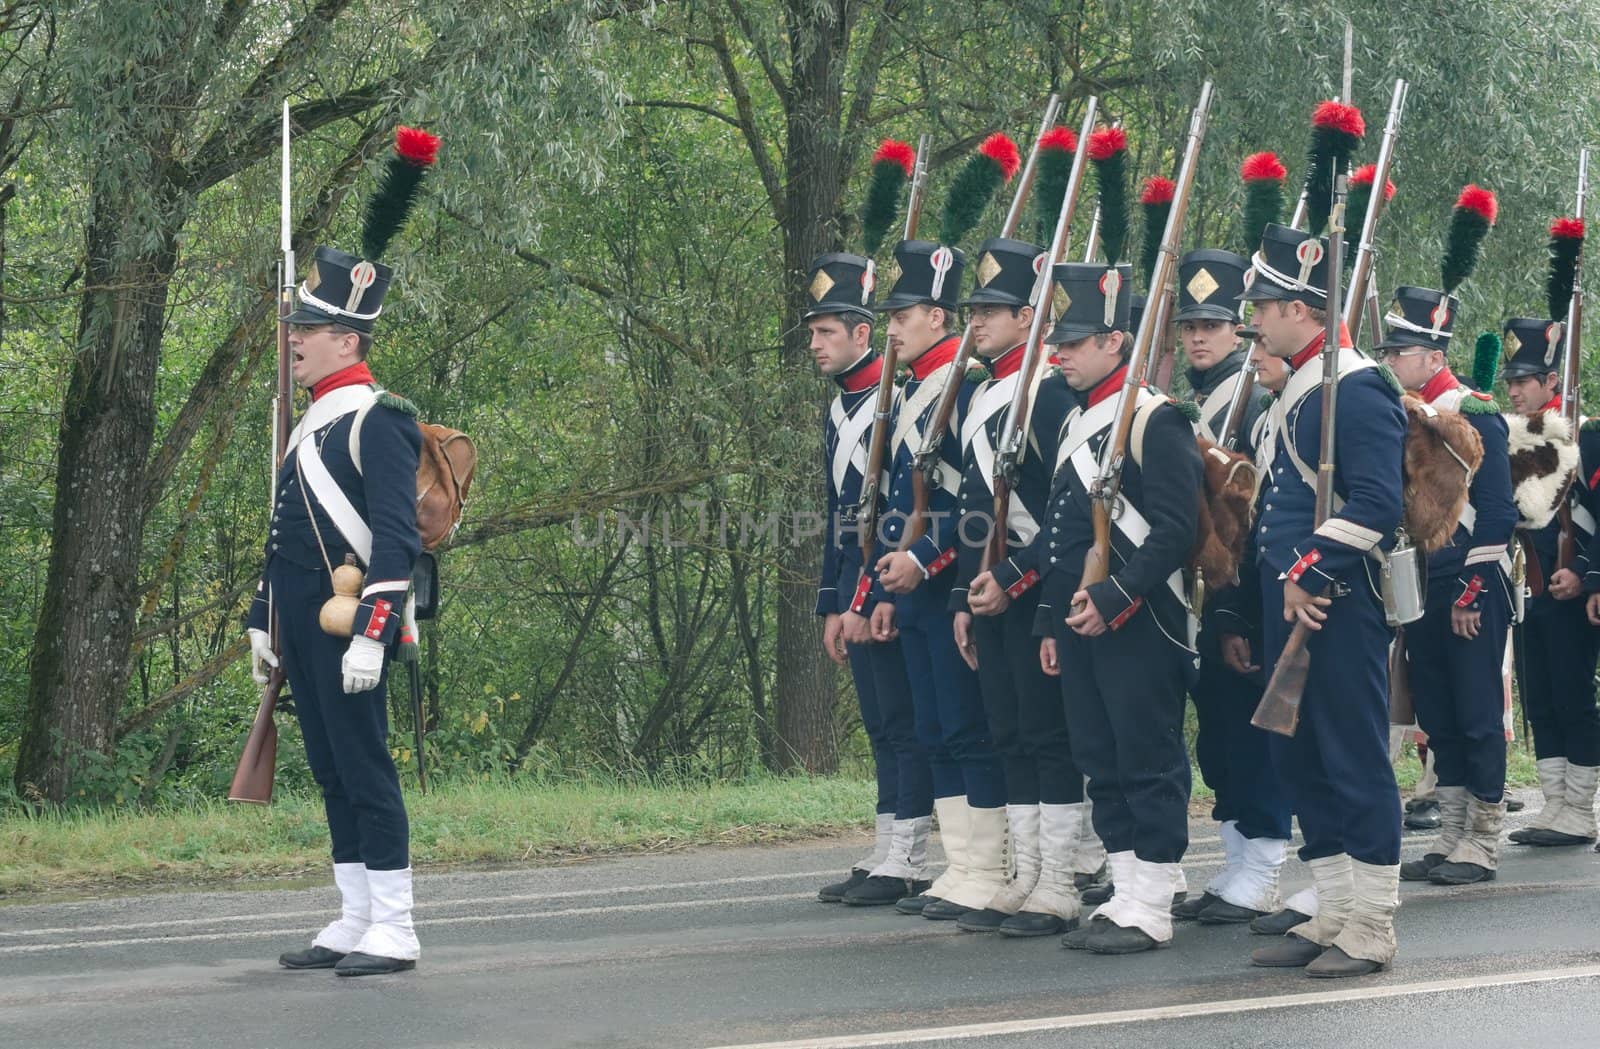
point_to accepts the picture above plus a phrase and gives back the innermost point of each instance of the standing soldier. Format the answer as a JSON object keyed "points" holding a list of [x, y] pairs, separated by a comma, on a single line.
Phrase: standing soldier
{"points": [[1556, 645], [1122, 647], [907, 592], [327, 498], [840, 318], [1336, 766], [994, 610], [1454, 652]]}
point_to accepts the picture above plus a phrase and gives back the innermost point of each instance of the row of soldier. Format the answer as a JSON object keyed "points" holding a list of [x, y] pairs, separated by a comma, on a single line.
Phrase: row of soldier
{"points": [[1043, 720]]}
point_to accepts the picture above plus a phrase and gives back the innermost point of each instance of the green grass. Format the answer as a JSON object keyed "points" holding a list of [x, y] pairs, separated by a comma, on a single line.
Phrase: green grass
{"points": [[459, 823]]}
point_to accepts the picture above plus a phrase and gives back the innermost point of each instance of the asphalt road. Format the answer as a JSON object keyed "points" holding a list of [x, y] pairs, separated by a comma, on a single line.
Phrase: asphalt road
{"points": [[728, 947]]}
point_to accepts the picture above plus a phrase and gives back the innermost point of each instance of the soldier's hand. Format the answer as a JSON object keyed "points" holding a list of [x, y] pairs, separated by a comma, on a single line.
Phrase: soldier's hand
{"points": [[1594, 609], [855, 629], [1085, 618], [1465, 623], [883, 628], [985, 597], [899, 572], [1301, 606], [362, 665], [1565, 585], [833, 638], [1236, 654], [964, 642], [1047, 657], [261, 655]]}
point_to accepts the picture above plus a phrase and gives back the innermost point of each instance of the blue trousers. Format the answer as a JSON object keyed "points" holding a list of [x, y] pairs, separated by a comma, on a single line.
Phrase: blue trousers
{"points": [[1236, 757], [905, 784], [1336, 765], [346, 736], [1024, 708], [1124, 701], [1460, 700], [949, 706], [1556, 651]]}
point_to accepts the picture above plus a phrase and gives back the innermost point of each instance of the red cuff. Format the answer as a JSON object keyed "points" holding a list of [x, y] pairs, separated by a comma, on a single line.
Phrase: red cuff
{"points": [[1015, 590], [943, 561], [1302, 565], [380, 619], [863, 588], [1126, 614], [1470, 594]]}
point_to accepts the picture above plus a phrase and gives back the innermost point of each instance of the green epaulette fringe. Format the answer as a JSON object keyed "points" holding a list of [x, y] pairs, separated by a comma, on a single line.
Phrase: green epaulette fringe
{"points": [[1393, 381], [397, 402], [1473, 404], [1190, 410]]}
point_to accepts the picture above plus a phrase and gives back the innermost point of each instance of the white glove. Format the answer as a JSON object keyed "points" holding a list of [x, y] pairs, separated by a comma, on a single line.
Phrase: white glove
{"points": [[363, 664], [261, 656]]}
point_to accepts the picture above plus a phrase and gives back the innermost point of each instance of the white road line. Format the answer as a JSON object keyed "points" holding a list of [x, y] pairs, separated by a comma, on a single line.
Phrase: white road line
{"points": [[913, 1036], [464, 919]]}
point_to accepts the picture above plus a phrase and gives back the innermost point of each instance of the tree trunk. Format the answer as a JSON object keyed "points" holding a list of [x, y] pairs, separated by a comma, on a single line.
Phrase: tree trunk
{"points": [[85, 629]]}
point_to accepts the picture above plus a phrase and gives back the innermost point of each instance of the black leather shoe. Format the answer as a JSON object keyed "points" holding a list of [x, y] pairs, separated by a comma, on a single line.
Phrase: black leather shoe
{"points": [[1425, 816], [1278, 923], [986, 920], [881, 890], [913, 904], [1513, 805], [1291, 952], [1418, 870], [835, 892], [1190, 909], [1078, 939], [310, 958], [1459, 874], [1097, 893], [1522, 835], [944, 911], [1032, 923], [1224, 913], [1334, 964], [358, 964], [1553, 838], [1086, 881], [1111, 938]]}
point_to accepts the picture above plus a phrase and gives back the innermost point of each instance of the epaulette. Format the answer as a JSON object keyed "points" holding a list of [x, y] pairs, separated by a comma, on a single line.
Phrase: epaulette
{"points": [[1590, 425], [1475, 403], [1267, 399], [976, 373], [397, 402], [902, 374], [1053, 371], [1190, 410], [1393, 380]]}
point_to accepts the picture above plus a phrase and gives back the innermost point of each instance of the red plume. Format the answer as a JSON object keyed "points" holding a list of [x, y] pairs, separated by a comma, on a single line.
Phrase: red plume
{"points": [[899, 152], [1157, 190], [1567, 229], [1061, 138], [1480, 202], [416, 146], [1263, 166], [1107, 142], [1364, 176], [1339, 117], [999, 148]]}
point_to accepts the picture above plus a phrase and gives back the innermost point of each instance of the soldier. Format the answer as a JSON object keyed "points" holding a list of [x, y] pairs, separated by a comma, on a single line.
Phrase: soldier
{"points": [[1250, 805], [907, 593], [994, 610], [1556, 645], [1454, 652], [840, 319], [332, 504], [1122, 647], [1336, 767]]}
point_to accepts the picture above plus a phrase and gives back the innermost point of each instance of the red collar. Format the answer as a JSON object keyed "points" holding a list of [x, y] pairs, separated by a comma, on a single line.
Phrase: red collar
{"points": [[1554, 404], [357, 374], [1008, 363], [1314, 347], [862, 375], [938, 355], [1443, 381], [1108, 386]]}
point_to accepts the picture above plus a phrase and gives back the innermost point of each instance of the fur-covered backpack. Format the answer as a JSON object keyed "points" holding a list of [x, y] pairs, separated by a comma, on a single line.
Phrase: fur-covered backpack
{"points": [[445, 467], [1442, 454]]}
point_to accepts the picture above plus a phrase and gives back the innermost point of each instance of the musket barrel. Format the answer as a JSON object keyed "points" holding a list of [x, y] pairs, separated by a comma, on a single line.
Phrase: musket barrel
{"points": [[1361, 272]]}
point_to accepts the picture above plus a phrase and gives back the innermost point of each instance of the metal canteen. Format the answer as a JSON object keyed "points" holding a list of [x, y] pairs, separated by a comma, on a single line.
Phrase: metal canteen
{"points": [[1519, 582], [1404, 583]]}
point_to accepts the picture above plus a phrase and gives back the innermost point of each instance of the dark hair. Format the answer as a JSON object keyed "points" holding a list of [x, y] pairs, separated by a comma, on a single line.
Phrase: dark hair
{"points": [[363, 339], [849, 319]]}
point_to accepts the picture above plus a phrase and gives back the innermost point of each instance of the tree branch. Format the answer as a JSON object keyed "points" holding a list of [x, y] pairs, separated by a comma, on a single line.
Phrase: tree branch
{"points": [[710, 111], [747, 124], [774, 76]]}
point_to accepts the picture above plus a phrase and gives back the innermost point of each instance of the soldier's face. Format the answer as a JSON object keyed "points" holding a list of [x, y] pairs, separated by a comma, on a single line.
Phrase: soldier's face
{"points": [[1412, 365], [1206, 342], [1529, 393], [316, 351], [1086, 362], [1271, 372], [995, 329], [914, 330], [1280, 327], [837, 342]]}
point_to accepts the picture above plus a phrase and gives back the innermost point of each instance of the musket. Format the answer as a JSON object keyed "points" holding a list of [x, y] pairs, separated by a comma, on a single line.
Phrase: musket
{"points": [[926, 460], [1279, 709], [1014, 424], [867, 509], [1232, 423], [1571, 362], [1361, 279], [252, 780], [1108, 478]]}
